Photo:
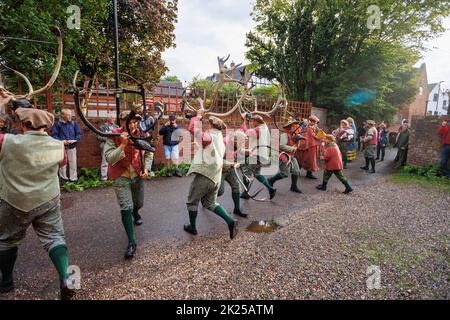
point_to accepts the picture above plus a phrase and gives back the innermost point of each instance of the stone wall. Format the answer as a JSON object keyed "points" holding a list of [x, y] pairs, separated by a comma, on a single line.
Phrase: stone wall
{"points": [[424, 143]]}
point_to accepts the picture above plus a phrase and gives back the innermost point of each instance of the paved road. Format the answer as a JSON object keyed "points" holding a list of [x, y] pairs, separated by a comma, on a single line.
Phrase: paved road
{"points": [[97, 240]]}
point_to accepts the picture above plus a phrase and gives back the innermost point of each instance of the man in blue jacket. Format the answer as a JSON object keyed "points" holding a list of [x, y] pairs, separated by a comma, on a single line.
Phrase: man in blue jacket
{"points": [[68, 131]]}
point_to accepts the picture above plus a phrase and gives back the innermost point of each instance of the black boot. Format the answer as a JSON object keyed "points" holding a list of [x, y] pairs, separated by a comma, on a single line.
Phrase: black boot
{"points": [[294, 188], [244, 195], [188, 228], [7, 261], [366, 167], [137, 217], [131, 251], [309, 175], [272, 193], [240, 213], [372, 162], [274, 179], [66, 293], [322, 187], [233, 229], [348, 188]]}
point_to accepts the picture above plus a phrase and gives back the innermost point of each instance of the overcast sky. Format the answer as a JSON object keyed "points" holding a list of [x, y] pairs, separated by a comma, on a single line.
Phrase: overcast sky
{"points": [[207, 29]]}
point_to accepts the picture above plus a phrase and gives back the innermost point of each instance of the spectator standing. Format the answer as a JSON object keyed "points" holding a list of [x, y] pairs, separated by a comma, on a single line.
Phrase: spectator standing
{"points": [[362, 130], [382, 141], [171, 141], [402, 145], [444, 134], [345, 137], [68, 131], [107, 127]]}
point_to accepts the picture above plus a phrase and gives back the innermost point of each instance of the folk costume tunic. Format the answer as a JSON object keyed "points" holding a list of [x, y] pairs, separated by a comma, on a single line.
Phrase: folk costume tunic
{"points": [[30, 190], [309, 150]]}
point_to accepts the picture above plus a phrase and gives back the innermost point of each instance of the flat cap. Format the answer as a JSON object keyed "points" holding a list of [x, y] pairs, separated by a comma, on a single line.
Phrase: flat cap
{"points": [[35, 117]]}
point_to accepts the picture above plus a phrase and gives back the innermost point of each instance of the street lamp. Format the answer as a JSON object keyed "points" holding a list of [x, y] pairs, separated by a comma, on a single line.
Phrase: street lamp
{"points": [[116, 56]]}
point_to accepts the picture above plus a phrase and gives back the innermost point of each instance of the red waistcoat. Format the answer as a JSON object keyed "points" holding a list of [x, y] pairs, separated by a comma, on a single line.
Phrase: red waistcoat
{"points": [[131, 157]]}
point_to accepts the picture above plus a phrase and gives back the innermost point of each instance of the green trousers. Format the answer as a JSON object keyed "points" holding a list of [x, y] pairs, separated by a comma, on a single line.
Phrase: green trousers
{"points": [[338, 173]]}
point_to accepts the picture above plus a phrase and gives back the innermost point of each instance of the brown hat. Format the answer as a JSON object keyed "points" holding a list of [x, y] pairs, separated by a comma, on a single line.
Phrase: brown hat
{"points": [[290, 123], [217, 123], [36, 117], [371, 122], [314, 118], [258, 118], [345, 122], [330, 137]]}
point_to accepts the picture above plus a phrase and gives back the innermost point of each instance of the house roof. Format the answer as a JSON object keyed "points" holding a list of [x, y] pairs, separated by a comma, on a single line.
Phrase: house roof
{"points": [[431, 86]]}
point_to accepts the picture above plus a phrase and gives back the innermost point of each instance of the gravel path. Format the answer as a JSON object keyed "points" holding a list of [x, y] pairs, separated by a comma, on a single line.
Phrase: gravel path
{"points": [[320, 253]]}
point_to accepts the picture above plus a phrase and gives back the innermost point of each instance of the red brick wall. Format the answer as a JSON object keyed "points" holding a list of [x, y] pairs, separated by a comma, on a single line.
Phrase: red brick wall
{"points": [[424, 143]]}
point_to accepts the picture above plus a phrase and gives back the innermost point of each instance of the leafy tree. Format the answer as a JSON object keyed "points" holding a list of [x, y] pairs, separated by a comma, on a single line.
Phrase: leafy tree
{"points": [[170, 79], [322, 50], [146, 28]]}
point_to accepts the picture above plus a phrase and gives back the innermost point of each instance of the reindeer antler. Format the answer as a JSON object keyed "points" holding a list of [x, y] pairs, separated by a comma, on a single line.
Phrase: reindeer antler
{"points": [[8, 96]]}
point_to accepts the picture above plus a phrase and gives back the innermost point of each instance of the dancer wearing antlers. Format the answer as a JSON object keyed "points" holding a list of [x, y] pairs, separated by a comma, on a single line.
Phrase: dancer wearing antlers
{"points": [[288, 146], [127, 167], [259, 138], [30, 194], [207, 168], [235, 152]]}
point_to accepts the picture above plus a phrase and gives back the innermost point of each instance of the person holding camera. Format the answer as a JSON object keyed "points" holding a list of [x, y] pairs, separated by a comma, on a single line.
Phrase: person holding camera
{"points": [[171, 141]]}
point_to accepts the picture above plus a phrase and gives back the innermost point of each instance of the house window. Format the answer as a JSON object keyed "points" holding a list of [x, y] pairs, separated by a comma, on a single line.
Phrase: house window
{"points": [[435, 97], [445, 103]]}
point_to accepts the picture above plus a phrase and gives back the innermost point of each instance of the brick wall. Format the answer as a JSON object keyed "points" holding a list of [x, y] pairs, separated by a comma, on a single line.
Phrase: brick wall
{"points": [[424, 143]]}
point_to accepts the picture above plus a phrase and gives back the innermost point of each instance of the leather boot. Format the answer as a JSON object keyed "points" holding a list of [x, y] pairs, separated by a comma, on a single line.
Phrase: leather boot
{"points": [[372, 163], [7, 261], [322, 187], [366, 167], [131, 251], [65, 292], [233, 229], [137, 217], [294, 188]]}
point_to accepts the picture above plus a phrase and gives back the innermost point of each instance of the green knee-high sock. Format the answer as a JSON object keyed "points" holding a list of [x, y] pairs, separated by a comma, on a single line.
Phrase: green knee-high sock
{"points": [[60, 260], [221, 212], [237, 200], [7, 261], [193, 219], [127, 221], [264, 181]]}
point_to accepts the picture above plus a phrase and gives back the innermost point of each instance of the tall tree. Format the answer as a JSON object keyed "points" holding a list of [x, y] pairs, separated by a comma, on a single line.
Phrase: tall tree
{"points": [[146, 29], [323, 51]]}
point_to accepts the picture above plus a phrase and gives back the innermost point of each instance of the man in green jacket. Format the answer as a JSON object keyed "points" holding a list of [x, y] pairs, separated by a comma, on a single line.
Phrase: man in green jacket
{"points": [[402, 146]]}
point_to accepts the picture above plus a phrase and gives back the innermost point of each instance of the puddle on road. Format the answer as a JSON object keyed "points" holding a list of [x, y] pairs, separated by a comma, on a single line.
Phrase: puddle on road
{"points": [[262, 227]]}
